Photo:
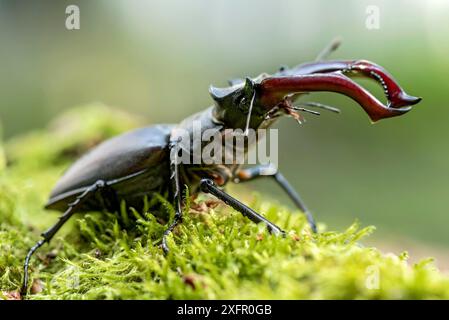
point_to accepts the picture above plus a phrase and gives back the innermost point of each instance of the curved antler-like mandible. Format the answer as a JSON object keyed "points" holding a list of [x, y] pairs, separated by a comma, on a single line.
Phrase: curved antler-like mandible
{"points": [[274, 89], [331, 76], [394, 93]]}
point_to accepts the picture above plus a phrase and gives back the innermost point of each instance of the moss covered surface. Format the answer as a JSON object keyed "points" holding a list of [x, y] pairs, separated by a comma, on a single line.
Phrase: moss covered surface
{"points": [[216, 253]]}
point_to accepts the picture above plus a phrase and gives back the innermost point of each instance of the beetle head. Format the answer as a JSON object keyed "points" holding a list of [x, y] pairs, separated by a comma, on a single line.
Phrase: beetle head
{"points": [[237, 104]]}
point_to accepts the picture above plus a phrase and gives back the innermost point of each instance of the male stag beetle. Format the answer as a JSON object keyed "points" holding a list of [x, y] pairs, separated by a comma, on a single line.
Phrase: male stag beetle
{"points": [[140, 163]]}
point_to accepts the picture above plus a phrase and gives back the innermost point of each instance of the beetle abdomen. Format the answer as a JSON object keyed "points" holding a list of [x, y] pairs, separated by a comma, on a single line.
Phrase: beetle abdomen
{"points": [[132, 160]]}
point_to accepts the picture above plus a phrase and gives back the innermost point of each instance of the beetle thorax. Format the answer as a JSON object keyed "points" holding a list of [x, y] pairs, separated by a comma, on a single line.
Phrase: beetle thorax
{"points": [[211, 149]]}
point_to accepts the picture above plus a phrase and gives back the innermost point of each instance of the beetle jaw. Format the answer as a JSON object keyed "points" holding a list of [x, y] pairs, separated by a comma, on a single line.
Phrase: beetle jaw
{"points": [[395, 95], [276, 90]]}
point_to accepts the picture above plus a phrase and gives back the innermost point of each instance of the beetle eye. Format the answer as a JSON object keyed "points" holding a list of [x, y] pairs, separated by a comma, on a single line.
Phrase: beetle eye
{"points": [[239, 100]]}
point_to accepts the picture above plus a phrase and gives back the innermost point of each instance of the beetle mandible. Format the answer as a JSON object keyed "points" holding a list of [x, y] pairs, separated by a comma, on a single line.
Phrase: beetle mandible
{"points": [[139, 163]]}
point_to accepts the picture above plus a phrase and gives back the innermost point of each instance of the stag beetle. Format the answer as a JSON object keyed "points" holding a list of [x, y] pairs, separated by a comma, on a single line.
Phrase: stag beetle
{"points": [[139, 163]]}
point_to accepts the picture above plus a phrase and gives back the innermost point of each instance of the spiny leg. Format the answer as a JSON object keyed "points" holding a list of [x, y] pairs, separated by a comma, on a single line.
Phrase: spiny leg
{"points": [[177, 196], [208, 186], [50, 233], [269, 171]]}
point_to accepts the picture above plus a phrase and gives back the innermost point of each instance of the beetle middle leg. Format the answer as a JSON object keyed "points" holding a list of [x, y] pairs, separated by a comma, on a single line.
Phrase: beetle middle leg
{"points": [[208, 186], [108, 198], [50, 233], [177, 196], [269, 171]]}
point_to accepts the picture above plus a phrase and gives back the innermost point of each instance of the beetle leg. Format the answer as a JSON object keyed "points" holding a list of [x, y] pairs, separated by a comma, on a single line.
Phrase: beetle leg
{"points": [[208, 186], [177, 197], [50, 233], [109, 198], [269, 171]]}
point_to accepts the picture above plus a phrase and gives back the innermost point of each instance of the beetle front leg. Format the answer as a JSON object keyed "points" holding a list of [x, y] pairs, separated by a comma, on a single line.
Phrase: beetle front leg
{"points": [[269, 171], [177, 196], [208, 186]]}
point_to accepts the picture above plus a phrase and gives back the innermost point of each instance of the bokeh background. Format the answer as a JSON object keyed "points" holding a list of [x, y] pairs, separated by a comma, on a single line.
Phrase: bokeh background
{"points": [[157, 59]]}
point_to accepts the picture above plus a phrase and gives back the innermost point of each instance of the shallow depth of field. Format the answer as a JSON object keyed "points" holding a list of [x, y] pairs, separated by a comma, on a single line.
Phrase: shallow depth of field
{"points": [[154, 61]]}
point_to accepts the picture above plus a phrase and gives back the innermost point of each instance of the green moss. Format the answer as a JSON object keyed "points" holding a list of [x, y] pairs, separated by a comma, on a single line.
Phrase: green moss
{"points": [[216, 252]]}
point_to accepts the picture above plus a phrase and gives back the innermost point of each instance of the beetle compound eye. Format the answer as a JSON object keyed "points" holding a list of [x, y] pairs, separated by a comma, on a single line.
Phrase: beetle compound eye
{"points": [[239, 100]]}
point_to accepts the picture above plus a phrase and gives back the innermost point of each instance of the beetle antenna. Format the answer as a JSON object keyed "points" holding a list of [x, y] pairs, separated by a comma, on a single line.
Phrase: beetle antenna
{"points": [[321, 106], [305, 110], [245, 133], [331, 47]]}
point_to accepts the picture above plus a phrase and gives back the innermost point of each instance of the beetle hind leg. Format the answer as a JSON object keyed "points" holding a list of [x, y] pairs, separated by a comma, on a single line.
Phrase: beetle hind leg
{"points": [[50, 233]]}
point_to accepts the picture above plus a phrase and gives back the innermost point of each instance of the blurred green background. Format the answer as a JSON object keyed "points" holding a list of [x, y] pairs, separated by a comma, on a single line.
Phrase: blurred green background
{"points": [[157, 59]]}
